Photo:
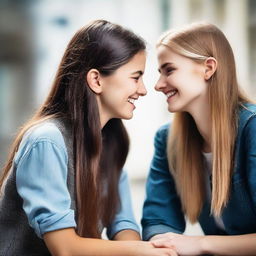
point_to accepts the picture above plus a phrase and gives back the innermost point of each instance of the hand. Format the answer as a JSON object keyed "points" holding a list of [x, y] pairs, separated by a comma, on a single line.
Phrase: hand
{"points": [[182, 244], [147, 249]]}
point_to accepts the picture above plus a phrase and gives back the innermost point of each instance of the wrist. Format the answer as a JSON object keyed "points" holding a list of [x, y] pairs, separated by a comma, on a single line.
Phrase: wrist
{"points": [[204, 245], [141, 248]]}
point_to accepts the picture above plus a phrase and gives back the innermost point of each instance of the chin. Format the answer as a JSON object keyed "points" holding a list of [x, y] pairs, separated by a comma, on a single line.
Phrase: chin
{"points": [[174, 109], [127, 116]]}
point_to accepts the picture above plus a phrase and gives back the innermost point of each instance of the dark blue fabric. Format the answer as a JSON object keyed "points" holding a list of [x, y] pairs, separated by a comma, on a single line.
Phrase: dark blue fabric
{"points": [[162, 210]]}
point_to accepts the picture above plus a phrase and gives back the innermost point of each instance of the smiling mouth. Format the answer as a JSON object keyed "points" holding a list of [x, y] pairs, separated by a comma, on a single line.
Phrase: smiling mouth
{"points": [[171, 93], [131, 100]]}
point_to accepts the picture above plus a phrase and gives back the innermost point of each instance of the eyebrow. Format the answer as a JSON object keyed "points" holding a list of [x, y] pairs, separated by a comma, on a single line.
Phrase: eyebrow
{"points": [[164, 66], [139, 72]]}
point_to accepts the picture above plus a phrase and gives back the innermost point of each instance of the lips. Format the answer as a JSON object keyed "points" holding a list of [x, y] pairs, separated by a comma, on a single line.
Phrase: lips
{"points": [[171, 93], [132, 101]]}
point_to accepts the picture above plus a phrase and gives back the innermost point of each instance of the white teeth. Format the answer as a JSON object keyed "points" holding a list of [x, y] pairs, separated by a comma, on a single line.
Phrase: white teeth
{"points": [[131, 100], [171, 93]]}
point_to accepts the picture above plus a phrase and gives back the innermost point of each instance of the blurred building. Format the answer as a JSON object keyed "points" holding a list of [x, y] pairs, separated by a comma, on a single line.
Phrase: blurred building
{"points": [[17, 66], [34, 34]]}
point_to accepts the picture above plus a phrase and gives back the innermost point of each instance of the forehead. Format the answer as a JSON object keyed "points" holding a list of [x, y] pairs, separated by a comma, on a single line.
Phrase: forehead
{"points": [[136, 63], [138, 59], [166, 55]]}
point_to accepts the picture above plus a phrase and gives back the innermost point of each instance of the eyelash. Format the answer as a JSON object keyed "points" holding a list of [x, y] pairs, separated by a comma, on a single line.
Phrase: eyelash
{"points": [[169, 70], [136, 78]]}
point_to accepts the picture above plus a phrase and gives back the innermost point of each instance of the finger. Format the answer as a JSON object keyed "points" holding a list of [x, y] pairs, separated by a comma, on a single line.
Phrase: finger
{"points": [[162, 243], [170, 252], [173, 253]]}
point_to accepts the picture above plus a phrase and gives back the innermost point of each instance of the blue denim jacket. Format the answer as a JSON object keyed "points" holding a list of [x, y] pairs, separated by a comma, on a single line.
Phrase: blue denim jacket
{"points": [[162, 210]]}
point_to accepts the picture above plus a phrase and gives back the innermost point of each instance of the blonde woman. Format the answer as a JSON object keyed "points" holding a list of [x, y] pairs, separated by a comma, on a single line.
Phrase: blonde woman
{"points": [[204, 165]]}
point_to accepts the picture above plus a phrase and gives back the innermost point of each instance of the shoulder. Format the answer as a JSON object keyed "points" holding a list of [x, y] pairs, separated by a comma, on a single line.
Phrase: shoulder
{"points": [[250, 128], [46, 132], [162, 132], [247, 118], [250, 107], [160, 140], [123, 176], [246, 111]]}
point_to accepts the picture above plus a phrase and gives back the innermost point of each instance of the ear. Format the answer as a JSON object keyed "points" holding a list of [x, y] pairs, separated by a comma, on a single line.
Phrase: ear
{"points": [[210, 67], [93, 80]]}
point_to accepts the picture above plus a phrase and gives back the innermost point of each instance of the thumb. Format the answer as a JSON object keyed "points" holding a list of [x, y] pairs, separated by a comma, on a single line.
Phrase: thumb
{"points": [[160, 243]]}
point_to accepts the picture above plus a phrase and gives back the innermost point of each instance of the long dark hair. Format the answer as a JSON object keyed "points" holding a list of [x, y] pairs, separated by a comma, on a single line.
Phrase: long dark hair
{"points": [[99, 154]]}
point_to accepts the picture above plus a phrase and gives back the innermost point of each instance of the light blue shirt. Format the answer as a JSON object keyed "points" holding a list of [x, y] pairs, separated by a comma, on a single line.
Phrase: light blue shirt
{"points": [[41, 178]]}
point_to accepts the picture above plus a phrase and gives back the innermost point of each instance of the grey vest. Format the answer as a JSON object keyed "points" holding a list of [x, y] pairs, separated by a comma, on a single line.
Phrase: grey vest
{"points": [[17, 238]]}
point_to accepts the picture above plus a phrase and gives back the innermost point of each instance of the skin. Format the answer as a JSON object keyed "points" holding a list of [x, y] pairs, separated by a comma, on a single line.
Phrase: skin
{"points": [[191, 81], [66, 242], [112, 93]]}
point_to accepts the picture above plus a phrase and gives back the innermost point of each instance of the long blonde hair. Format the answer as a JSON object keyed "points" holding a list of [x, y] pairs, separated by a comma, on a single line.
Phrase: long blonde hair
{"points": [[199, 41]]}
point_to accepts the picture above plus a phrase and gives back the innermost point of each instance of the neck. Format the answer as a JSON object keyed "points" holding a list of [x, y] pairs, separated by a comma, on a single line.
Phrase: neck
{"points": [[103, 121], [104, 118], [201, 116]]}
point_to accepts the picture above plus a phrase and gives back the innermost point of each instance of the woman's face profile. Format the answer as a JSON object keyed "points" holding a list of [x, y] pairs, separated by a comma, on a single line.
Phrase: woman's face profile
{"points": [[181, 80], [121, 89]]}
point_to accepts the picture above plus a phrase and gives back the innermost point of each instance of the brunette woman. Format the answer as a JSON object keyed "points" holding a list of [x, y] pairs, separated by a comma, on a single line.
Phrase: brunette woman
{"points": [[63, 181]]}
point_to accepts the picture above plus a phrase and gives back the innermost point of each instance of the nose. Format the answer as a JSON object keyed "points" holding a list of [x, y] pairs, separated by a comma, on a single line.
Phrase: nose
{"points": [[160, 85], [142, 91]]}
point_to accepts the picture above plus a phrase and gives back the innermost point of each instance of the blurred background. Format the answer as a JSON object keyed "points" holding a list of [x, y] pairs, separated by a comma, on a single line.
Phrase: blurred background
{"points": [[34, 34]]}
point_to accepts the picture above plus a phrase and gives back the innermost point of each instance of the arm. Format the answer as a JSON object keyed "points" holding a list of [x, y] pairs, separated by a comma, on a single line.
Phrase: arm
{"points": [[250, 147], [230, 245], [41, 178], [222, 245], [127, 235], [124, 226], [216, 245], [66, 243], [162, 208]]}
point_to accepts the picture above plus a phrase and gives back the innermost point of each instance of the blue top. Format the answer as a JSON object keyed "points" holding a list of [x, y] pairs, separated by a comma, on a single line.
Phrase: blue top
{"points": [[41, 178], [162, 210]]}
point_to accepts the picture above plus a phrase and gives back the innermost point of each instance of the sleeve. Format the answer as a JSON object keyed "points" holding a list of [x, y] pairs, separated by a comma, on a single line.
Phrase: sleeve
{"points": [[250, 141], [124, 219], [162, 208], [41, 179]]}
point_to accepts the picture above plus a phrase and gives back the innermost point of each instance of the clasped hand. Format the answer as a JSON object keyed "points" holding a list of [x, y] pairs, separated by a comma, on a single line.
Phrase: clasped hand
{"points": [[182, 244]]}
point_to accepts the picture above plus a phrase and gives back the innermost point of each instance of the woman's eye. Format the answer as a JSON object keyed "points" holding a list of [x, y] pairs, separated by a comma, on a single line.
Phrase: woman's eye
{"points": [[136, 78], [169, 71]]}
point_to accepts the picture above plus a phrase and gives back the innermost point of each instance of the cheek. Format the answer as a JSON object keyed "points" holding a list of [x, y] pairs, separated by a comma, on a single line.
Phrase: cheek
{"points": [[198, 74], [179, 80], [188, 84], [118, 94], [115, 95]]}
